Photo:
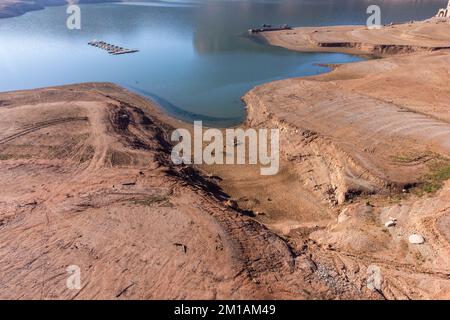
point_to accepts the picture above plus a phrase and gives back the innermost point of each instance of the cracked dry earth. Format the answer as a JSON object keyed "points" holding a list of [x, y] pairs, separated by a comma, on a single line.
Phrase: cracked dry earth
{"points": [[86, 180]]}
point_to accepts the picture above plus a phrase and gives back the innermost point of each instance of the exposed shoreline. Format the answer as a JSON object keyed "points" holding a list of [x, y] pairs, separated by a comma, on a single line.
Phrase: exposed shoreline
{"points": [[87, 180], [364, 141], [417, 36], [356, 144]]}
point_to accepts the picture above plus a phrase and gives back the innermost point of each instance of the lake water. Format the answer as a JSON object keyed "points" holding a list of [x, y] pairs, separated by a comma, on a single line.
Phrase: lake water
{"points": [[195, 58]]}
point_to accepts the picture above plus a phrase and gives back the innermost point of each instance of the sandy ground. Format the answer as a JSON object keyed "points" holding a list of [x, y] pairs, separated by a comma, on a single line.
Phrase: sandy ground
{"points": [[87, 181], [361, 145], [429, 35]]}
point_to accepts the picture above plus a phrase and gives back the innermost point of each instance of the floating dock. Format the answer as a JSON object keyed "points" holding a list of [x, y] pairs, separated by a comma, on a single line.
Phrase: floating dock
{"points": [[110, 48], [268, 27]]}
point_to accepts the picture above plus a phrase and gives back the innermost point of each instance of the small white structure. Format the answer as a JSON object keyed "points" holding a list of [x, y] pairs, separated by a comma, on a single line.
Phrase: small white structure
{"points": [[390, 223], [444, 12], [416, 239]]}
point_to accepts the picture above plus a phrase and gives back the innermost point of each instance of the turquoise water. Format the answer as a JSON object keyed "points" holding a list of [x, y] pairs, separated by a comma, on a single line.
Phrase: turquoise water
{"points": [[195, 58]]}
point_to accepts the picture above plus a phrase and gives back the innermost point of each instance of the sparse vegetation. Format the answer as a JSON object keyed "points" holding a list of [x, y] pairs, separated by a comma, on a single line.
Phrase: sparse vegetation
{"points": [[161, 201], [438, 170], [396, 198], [413, 157], [439, 173], [5, 156], [14, 156], [419, 257]]}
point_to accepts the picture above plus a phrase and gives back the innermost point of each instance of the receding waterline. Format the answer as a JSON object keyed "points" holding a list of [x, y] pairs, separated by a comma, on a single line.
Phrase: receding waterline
{"points": [[193, 58]]}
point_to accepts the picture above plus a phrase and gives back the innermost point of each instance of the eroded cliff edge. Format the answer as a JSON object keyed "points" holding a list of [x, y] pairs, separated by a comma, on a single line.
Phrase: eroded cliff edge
{"points": [[87, 181], [370, 143]]}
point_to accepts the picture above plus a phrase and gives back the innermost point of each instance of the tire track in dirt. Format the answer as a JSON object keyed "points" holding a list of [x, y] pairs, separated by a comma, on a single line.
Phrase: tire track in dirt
{"points": [[40, 125]]}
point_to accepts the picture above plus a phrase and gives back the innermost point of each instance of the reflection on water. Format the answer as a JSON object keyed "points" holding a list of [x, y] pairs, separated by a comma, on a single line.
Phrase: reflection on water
{"points": [[194, 58]]}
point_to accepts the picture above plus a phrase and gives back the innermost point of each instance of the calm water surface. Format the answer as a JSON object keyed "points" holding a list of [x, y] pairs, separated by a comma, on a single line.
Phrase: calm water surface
{"points": [[195, 58]]}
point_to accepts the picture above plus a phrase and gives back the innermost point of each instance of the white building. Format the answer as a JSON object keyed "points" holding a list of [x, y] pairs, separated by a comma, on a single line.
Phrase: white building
{"points": [[445, 12]]}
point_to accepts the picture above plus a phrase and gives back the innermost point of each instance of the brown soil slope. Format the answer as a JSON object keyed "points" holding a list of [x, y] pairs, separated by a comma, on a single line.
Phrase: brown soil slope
{"points": [[369, 142], [86, 180], [427, 35], [355, 154], [386, 118]]}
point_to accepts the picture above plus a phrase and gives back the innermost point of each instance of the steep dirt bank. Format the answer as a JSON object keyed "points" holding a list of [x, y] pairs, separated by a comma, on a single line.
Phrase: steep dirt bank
{"points": [[430, 35], [87, 181], [365, 144]]}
